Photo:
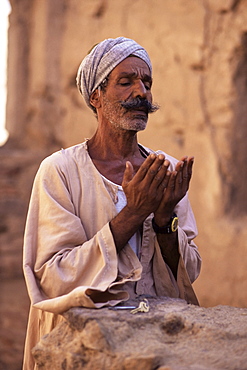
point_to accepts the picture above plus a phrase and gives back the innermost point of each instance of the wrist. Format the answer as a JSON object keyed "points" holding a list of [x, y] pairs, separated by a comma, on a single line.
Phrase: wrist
{"points": [[167, 228], [163, 218], [162, 221], [129, 217]]}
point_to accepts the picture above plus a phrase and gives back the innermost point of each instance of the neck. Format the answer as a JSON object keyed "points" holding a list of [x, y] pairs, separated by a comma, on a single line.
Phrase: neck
{"points": [[113, 145]]}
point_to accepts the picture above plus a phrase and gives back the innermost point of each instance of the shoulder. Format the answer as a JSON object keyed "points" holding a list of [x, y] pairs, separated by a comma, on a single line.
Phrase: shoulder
{"points": [[64, 158]]}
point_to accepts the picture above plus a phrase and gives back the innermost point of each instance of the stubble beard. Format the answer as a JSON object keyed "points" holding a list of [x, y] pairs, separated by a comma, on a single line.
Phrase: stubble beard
{"points": [[122, 119]]}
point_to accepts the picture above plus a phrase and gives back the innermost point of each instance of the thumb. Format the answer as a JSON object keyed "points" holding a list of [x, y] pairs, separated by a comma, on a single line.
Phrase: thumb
{"points": [[128, 174]]}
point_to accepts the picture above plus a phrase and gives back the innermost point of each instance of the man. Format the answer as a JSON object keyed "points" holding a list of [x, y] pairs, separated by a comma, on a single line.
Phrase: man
{"points": [[102, 222]]}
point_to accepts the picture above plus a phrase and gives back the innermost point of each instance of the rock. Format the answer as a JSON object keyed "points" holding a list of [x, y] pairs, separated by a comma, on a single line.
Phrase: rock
{"points": [[171, 336]]}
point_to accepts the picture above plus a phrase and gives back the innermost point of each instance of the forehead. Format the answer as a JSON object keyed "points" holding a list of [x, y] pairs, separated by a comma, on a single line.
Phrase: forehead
{"points": [[131, 65]]}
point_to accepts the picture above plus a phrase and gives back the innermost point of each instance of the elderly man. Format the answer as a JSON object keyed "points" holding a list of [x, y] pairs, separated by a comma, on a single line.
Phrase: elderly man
{"points": [[109, 219]]}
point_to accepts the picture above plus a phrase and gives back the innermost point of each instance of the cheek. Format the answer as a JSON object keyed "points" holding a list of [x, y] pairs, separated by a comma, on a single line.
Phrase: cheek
{"points": [[115, 98], [122, 93], [123, 96]]}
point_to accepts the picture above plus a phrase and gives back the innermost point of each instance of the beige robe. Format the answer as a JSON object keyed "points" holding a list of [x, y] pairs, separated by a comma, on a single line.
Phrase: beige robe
{"points": [[70, 257]]}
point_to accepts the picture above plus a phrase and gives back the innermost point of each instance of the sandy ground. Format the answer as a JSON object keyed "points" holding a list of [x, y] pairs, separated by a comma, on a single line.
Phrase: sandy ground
{"points": [[14, 309]]}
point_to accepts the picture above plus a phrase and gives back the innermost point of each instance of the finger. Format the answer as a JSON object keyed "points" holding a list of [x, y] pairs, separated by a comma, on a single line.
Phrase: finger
{"points": [[128, 174], [180, 163], [164, 183], [156, 173], [179, 169], [172, 181], [153, 170], [190, 165], [160, 174], [184, 158], [141, 173], [182, 166], [184, 176], [187, 171]]}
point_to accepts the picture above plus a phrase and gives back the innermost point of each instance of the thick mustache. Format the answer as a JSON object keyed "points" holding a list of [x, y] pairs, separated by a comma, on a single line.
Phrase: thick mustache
{"points": [[140, 103]]}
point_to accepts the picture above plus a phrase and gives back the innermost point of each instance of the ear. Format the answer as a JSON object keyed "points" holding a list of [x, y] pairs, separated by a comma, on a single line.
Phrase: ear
{"points": [[95, 99]]}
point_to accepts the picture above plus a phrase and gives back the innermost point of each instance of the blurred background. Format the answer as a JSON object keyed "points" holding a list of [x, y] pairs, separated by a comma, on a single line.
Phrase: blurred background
{"points": [[199, 53]]}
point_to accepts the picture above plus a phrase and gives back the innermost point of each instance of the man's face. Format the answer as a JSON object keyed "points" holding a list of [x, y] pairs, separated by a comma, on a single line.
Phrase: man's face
{"points": [[129, 80]]}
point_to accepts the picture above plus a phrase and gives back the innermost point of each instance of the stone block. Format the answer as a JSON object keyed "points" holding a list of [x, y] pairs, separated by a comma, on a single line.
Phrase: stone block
{"points": [[171, 336]]}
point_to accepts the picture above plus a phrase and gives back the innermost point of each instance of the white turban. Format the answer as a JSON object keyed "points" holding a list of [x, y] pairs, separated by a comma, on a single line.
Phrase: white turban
{"points": [[102, 59]]}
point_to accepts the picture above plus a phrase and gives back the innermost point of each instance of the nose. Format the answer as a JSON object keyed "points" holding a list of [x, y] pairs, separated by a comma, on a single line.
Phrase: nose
{"points": [[140, 89]]}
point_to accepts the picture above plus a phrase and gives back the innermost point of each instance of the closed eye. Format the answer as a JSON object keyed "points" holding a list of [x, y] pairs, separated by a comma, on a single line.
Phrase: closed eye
{"points": [[124, 82]]}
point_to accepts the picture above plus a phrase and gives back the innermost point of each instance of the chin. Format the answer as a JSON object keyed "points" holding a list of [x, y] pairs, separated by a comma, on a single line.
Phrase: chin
{"points": [[137, 123], [136, 126]]}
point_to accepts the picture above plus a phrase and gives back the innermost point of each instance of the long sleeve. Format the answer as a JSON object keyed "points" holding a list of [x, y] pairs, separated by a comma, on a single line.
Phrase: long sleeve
{"points": [[65, 257], [68, 245], [187, 232], [190, 261]]}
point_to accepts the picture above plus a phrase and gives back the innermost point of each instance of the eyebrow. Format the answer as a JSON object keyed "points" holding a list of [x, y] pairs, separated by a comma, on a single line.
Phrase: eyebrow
{"points": [[134, 74]]}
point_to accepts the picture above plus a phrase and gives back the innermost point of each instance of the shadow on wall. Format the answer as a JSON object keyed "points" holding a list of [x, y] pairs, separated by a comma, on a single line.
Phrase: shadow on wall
{"points": [[237, 199]]}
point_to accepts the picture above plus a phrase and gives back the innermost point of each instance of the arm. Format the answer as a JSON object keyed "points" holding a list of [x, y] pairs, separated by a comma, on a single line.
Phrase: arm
{"points": [[176, 190], [144, 192], [153, 189], [60, 254], [186, 251]]}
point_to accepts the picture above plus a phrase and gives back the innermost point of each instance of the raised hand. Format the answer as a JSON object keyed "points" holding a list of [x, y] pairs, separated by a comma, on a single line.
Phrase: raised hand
{"points": [[152, 189], [176, 189], [145, 190]]}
